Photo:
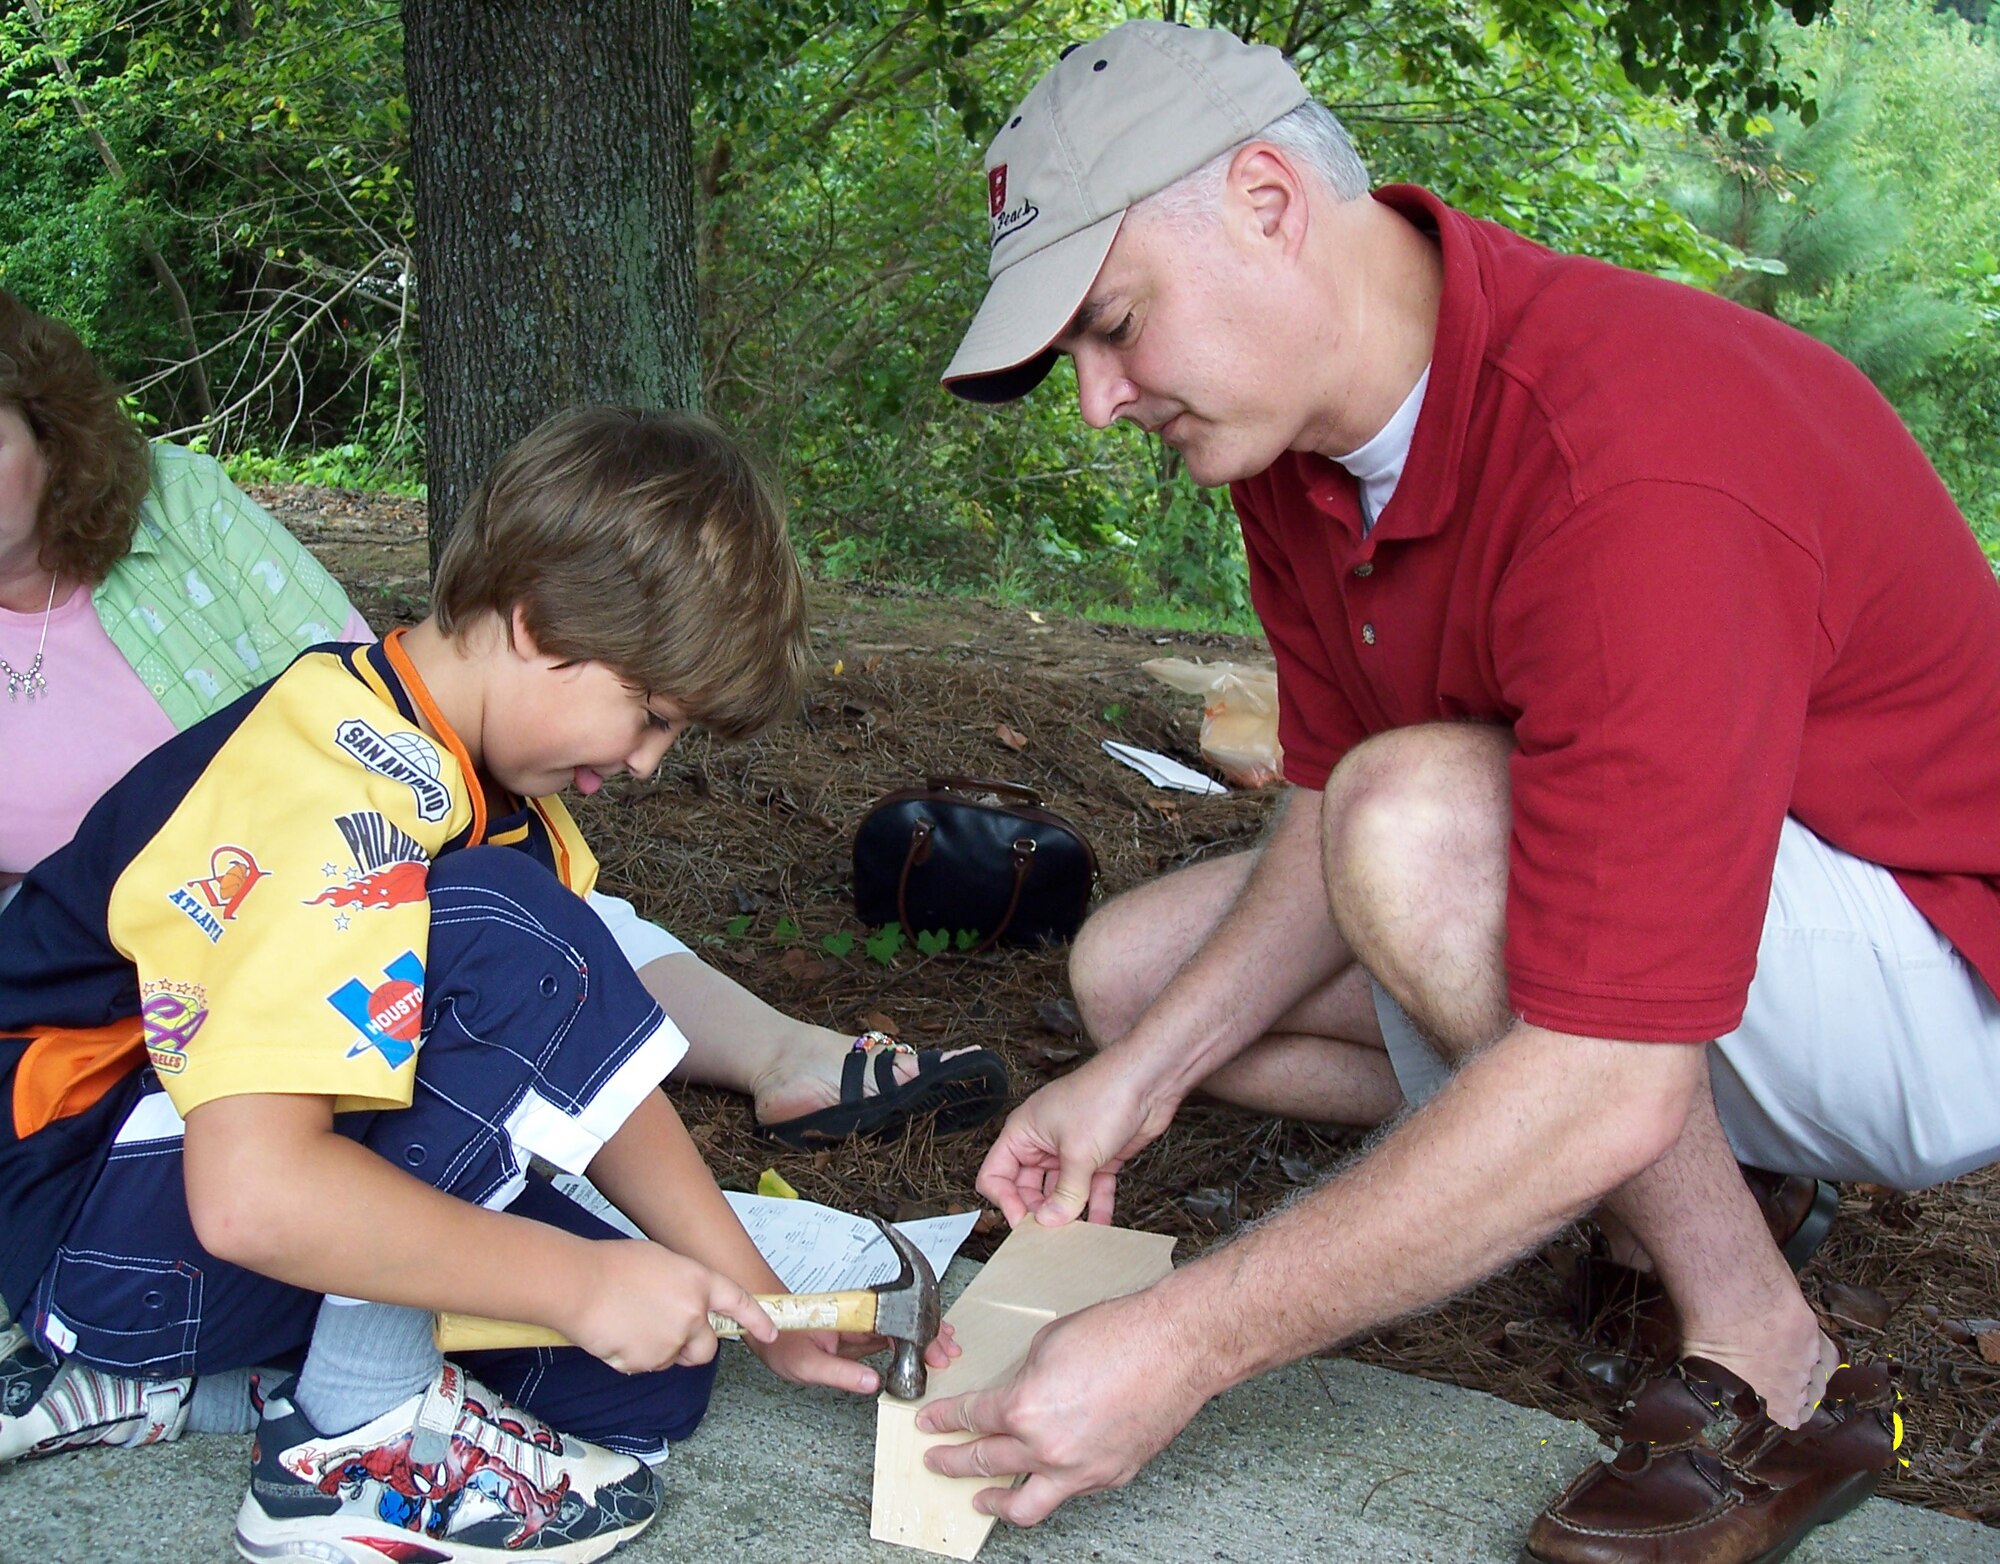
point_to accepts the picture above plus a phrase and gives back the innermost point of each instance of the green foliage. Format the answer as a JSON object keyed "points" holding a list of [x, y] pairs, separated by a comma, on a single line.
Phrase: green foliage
{"points": [[844, 250], [881, 947], [884, 943], [1873, 226], [1935, 134], [348, 465], [1720, 57], [245, 156], [1791, 199], [260, 153]]}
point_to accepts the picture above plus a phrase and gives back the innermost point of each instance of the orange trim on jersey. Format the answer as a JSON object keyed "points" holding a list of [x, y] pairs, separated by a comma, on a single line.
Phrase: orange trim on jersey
{"points": [[67, 1070], [420, 697]]}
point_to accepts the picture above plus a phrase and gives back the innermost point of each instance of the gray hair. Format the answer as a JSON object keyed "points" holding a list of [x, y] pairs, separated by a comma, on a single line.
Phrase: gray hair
{"points": [[1309, 134]]}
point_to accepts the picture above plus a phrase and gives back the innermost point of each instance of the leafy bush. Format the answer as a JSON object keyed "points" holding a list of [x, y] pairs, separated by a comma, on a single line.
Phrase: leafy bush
{"points": [[253, 159]]}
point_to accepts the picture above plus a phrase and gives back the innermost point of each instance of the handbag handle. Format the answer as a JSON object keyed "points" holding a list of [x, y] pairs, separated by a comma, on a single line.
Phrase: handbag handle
{"points": [[1026, 795], [1022, 854]]}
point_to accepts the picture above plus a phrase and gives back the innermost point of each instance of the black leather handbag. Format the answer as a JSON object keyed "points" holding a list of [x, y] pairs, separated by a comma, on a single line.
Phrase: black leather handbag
{"points": [[942, 857]]}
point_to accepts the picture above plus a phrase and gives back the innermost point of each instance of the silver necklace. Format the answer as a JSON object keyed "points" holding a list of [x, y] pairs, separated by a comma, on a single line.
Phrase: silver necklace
{"points": [[31, 683]]}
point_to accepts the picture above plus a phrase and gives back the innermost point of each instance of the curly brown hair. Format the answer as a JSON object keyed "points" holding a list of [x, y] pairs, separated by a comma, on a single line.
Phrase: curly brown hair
{"points": [[99, 463]]}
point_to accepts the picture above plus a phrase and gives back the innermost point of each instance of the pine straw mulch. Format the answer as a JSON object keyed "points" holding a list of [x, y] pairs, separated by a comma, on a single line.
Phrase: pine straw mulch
{"points": [[906, 686]]}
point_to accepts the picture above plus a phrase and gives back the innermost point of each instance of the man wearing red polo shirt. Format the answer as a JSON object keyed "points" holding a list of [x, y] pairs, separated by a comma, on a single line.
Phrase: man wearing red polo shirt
{"points": [[1638, 707]]}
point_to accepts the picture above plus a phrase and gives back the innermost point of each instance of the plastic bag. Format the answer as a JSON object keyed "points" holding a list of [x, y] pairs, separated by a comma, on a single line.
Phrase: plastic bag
{"points": [[1239, 716]]}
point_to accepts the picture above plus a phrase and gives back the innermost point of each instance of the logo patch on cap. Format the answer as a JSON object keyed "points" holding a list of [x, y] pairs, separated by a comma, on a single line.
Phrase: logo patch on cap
{"points": [[1006, 221]]}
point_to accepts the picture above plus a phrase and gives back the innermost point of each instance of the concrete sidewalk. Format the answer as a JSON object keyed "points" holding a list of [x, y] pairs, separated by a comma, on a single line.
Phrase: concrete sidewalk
{"points": [[1321, 1460]]}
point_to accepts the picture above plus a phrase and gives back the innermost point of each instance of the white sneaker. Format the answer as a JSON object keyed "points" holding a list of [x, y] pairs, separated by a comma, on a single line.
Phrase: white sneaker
{"points": [[475, 1478], [46, 1407]]}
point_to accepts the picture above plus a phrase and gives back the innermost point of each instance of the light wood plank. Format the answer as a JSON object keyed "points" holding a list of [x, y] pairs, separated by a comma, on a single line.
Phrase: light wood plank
{"points": [[1037, 1275]]}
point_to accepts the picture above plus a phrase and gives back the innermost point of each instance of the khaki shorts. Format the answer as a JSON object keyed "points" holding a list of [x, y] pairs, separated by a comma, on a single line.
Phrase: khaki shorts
{"points": [[1869, 1049]]}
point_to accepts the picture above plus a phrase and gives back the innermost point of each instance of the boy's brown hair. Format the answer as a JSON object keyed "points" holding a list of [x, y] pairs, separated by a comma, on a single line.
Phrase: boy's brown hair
{"points": [[648, 541], [99, 463]]}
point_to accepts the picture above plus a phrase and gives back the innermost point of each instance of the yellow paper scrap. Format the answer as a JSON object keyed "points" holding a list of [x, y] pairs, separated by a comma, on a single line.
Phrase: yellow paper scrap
{"points": [[772, 1186]]}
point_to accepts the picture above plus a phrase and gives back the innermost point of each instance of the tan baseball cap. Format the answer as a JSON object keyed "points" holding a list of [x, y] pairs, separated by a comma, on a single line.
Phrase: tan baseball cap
{"points": [[1115, 121]]}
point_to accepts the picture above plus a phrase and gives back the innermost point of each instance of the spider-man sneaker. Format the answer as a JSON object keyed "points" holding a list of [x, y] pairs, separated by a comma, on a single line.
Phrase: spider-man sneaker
{"points": [[48, 1407], [453, 1474]]}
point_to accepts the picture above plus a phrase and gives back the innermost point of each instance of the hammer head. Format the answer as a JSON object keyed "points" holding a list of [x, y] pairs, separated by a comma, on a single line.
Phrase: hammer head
{"points": [[906, 1311]]}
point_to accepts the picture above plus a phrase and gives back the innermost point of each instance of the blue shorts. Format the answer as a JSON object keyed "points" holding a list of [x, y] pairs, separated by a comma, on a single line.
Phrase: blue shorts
{"points": [[538, 1041]]}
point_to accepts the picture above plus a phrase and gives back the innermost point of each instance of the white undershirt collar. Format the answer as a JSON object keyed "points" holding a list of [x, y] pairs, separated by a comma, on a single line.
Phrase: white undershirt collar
{"points": [[1377, 464]]}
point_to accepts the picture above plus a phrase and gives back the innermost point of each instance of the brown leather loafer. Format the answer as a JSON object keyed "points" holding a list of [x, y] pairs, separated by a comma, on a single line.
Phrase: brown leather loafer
{"points": [[1702, 1476], [1625, 1311]]}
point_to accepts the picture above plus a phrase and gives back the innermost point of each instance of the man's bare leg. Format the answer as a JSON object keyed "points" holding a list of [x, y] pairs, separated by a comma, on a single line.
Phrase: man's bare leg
{"points": [[1323, 1060], [1738, 1302], [1416, 835]]}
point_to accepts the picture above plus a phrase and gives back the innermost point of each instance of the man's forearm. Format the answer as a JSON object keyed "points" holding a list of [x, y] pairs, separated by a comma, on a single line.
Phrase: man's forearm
{"points": [[1528, 1134], [1274, 946]]}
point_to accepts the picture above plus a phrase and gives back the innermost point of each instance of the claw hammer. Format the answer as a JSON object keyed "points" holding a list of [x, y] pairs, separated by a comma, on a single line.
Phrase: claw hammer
{"points": [[905, 1309]]}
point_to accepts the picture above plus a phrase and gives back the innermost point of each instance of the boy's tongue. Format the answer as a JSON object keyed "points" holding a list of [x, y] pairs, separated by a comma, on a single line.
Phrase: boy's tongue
{"points": [[587, 781]]}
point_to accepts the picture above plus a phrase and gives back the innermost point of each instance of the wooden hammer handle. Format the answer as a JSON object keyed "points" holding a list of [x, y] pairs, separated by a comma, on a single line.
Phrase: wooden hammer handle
{"points": [[841, 1311], [844, 1311]]}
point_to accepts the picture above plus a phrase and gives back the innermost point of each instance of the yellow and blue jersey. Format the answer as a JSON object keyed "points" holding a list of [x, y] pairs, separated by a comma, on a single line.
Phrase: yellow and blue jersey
{"points": [[244, 912]]}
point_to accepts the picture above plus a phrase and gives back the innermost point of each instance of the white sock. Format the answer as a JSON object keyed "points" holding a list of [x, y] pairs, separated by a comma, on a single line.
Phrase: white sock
{"points": [[221, 1404], [365, 1358]]}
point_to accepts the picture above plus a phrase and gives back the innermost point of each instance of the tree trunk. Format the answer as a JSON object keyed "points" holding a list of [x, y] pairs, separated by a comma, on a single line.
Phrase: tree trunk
{"points": [[554, 178]]}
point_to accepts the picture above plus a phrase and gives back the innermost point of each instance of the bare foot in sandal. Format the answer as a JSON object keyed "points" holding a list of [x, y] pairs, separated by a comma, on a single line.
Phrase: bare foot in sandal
{"points": [[955, 1091], [809, 1079], [808, 1084]]}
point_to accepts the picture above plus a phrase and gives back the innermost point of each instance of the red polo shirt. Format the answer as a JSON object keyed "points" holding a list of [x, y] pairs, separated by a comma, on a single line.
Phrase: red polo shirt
{"points": [[1696, 564]]}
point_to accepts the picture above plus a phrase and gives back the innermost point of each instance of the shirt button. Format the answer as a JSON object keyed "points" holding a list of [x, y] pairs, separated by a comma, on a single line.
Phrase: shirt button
{"points": [[1365, 568], [1367, 635]]}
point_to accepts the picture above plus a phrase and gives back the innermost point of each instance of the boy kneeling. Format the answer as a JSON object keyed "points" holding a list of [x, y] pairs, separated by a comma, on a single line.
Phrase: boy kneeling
{"points": [[284, 1024]]}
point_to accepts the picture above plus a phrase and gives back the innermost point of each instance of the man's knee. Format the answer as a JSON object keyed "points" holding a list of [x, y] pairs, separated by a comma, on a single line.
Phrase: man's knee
{"points": [[1429, 803], [1112, 989], [1133, 945]]}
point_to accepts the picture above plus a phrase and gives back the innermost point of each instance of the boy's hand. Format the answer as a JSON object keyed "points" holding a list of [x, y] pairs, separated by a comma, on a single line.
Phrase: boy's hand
{"points": [[823, 1358], [943, 1348], [813, 1357], [647, 1308]]}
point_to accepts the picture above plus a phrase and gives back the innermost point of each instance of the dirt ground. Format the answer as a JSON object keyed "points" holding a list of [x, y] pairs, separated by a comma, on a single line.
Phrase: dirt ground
{"points": [[907, 685]]}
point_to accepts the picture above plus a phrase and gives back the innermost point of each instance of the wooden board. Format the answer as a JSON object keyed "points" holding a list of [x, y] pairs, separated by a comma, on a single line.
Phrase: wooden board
{"points": [[1037, 1275]]}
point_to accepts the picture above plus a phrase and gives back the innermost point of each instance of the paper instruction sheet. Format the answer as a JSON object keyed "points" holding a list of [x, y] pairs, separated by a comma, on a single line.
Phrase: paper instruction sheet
{"points": [[812, 1247]]}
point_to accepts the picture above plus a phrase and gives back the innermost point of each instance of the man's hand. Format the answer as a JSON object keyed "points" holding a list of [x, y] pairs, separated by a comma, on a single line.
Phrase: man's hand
{"points": [[1099, 1395], [647, 1308], [1059, 1153]]}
